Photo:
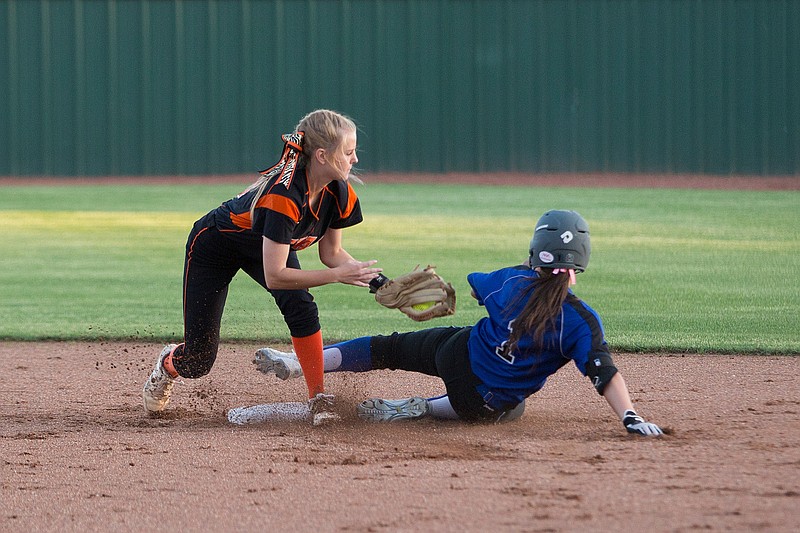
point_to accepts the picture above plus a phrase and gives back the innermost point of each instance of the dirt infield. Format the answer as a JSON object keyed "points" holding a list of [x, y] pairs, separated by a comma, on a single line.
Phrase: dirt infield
{"points": [[78, 452]]}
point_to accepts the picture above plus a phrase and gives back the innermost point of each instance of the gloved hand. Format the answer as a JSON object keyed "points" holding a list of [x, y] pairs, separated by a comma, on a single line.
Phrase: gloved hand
{"points": [[636, 424], [420, 294]]}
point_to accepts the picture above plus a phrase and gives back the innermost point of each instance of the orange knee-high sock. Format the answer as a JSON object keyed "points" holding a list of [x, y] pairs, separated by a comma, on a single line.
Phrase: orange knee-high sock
{"points": [[309, 353]]}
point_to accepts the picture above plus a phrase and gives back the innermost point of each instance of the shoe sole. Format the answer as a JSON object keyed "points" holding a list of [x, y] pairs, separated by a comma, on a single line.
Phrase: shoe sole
{"points": [[379, 410], [269, 362]]}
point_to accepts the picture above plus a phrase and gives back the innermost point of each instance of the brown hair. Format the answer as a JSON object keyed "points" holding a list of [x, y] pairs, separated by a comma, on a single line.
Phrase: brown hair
{"points": [[545, 296]]}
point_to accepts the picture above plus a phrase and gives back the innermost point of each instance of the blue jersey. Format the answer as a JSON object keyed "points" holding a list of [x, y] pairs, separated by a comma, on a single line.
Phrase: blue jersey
{"points": [[512, 377]]}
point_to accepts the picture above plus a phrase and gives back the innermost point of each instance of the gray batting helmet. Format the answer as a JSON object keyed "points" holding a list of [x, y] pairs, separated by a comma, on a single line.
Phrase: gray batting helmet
{"points": [[561, 240]]}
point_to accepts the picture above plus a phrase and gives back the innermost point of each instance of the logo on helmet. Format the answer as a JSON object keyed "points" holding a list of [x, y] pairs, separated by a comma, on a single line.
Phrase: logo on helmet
{"points": [[566, 237], [545, 257]]}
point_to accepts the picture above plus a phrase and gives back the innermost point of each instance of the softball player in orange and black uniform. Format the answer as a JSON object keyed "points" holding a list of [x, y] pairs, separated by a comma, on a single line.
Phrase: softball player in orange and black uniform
{"points": [[303, 198]]}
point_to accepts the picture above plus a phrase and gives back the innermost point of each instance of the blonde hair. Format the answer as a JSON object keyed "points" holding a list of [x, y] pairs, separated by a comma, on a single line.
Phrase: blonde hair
{"points": [[325, 129], [322, 128]]}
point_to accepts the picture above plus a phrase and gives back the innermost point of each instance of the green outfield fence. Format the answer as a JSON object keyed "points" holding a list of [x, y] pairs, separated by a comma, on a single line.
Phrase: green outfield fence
{"points": [[107, 87]]}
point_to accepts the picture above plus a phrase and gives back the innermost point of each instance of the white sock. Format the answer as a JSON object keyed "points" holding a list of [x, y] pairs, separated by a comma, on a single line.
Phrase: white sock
{"points": [[441, 408], [332, 359]]}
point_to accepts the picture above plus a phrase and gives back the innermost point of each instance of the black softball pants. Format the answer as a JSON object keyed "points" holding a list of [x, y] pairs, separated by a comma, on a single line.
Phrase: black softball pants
{"points": [[212, 260]]}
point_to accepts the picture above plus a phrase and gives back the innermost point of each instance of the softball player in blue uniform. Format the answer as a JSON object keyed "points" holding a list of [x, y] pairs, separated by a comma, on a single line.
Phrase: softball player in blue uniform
{"points": [[534, 326], [302, 200]]}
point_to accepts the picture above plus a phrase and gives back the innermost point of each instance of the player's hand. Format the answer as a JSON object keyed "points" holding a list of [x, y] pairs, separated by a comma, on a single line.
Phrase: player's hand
{"points": [[636, 424], [358, 273]]}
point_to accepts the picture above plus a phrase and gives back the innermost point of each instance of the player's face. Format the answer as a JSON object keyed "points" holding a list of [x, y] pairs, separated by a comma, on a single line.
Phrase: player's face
{"points": [[347, 155]]}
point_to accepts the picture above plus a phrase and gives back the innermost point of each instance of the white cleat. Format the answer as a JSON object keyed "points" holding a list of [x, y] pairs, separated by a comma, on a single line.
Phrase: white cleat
{"points": [[283, 364], [321, 407], [379, 410], [158, 386]]}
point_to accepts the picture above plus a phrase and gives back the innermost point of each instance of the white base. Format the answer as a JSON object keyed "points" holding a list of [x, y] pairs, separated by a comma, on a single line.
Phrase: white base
{"points": [[269, 412]]}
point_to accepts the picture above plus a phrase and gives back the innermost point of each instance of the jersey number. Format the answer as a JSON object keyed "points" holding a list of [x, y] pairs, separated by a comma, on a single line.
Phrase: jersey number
{"points": [[502, 350]]}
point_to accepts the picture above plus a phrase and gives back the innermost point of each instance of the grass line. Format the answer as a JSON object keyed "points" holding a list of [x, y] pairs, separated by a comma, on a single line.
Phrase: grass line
{"points": [[671, 270]]}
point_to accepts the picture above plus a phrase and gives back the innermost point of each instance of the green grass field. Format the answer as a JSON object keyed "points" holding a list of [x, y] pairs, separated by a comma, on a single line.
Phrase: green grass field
{"points": [[671, 270]]}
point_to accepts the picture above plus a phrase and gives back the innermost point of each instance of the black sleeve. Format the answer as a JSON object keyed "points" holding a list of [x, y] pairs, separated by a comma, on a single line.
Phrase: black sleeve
{"points": [[600, 369]]}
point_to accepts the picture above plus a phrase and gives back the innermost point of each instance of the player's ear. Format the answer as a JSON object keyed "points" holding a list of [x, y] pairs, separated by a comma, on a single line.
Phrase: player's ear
{"points": [[321, 156]]}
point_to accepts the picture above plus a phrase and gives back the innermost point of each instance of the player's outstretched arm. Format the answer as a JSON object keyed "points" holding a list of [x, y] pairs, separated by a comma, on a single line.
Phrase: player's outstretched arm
{"points": [[616, 394]]}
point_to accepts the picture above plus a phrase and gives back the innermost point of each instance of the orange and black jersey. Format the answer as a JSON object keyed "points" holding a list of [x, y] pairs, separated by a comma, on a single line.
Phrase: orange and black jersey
{"points": [[283, 213]]}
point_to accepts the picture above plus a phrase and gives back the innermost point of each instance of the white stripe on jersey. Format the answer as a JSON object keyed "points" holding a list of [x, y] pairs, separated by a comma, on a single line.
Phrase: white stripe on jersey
{"points": [[503, 285]]}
